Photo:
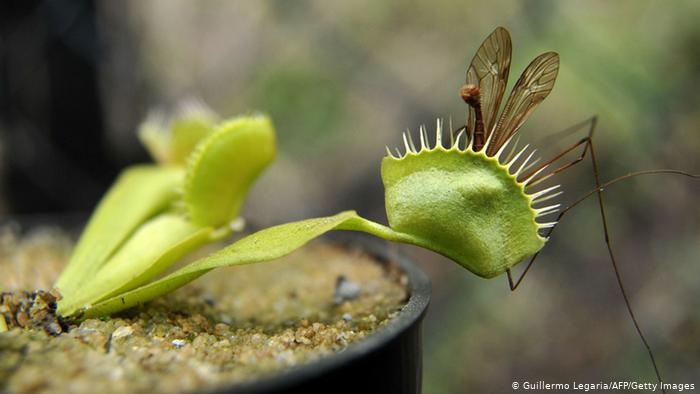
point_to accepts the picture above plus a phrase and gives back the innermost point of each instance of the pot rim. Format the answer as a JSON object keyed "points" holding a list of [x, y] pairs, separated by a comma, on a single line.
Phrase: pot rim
{"points": [[411, 313]]}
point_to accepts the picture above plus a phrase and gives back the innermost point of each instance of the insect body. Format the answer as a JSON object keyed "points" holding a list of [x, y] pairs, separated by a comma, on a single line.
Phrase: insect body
{"points": [[487, 77]]}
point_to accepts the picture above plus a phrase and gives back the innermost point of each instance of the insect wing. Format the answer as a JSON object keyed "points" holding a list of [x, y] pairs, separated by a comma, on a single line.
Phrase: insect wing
{"points": [[533, 86], [489, 71]]}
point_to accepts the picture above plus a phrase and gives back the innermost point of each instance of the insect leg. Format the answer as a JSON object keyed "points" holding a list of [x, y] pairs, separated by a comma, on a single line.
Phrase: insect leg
{"points": [[588, 141], [514, 284], [608, 243], [584, 141]]}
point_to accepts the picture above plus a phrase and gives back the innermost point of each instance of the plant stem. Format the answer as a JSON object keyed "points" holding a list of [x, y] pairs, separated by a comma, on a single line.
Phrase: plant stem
{"points": [[358, 223]]}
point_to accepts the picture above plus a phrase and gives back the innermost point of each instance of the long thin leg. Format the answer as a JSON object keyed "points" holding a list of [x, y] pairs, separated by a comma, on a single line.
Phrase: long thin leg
{"points": [[608, 243], [549, 138], [514, 284], [598, 192], [586, 140]]}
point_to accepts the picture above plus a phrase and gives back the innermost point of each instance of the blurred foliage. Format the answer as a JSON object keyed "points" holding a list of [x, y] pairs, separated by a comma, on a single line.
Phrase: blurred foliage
{"points": [[305, 101], [344, 79]]}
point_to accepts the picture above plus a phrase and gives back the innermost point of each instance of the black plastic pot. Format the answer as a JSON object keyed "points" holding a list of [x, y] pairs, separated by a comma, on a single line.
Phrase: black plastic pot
{"points": [[389, 361]]}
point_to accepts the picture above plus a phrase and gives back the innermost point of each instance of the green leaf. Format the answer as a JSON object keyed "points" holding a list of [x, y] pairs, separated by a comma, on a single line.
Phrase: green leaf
{"points": [[265, 245], [139, 193], [151, 250], [223, 167]]}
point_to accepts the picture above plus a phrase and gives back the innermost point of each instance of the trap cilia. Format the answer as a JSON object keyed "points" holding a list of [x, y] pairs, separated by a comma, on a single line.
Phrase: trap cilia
{"points": [[469, 194]]}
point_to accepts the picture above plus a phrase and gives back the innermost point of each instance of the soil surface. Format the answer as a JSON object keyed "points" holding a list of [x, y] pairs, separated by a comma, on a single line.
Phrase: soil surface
{"points": [[232, 325]]}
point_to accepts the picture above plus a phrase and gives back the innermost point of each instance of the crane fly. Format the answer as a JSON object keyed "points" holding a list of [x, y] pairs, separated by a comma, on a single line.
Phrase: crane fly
{"points": [[486, 80]]}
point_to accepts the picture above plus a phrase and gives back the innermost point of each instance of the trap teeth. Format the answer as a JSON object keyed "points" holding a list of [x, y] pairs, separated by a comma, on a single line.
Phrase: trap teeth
{"points": [[513, 148], [470, 145], [455, 145], [424, 144], [425, 135], [405, 142], [503, 147], [514, 159], [542, 192], [530, 165], [528, 180], [410, 141], [522, 166], [548, 210], [546, 225], [547, 197]]}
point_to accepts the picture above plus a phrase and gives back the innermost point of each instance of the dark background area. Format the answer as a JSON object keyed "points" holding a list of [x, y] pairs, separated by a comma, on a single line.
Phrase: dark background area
{"points": [[56, 156], [343, 79]]}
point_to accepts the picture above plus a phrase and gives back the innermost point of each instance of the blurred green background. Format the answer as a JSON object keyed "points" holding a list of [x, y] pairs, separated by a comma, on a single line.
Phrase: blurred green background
{"points": [[343, 79]]}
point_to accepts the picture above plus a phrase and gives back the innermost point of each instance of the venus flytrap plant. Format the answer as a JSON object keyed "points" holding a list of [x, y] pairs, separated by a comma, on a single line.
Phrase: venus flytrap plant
{"points": [[154, 215], [456, 201], [462, 201], [475, 199], [466, 199]]}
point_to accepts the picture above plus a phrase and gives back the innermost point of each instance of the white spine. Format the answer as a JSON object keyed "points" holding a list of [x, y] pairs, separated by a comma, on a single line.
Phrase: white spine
{"points": [[525, 162], [438, 135], [543, 192], [528, 180], [456, 143], [530, 165], [470, 144], [510, 163], [547, 210], [424, 130], [548, 197], [503, 147], [405, 142], [410, 141]]}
